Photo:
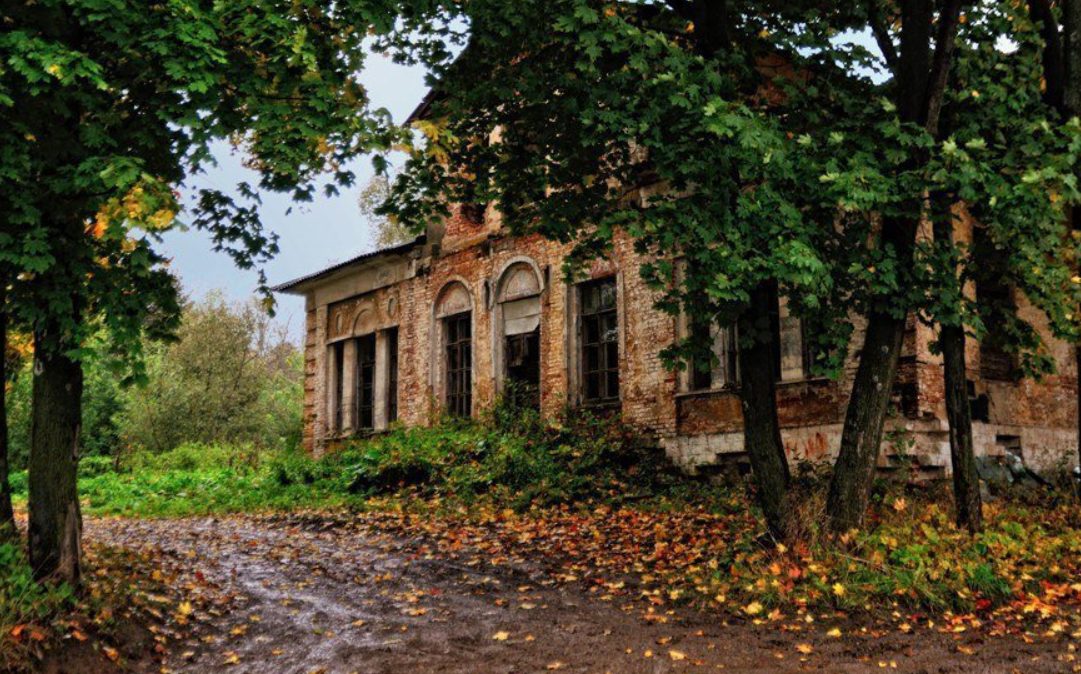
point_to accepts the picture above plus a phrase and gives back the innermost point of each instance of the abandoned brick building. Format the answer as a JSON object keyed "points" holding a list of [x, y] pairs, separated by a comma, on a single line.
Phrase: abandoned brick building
{"points": [[441, 324]]}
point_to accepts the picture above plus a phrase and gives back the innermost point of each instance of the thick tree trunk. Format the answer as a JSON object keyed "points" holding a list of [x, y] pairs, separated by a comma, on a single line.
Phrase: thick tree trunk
{"points": [[966, 479], [921, 83], [7, 514], [761, 430], [850, 488], [55, 521]]}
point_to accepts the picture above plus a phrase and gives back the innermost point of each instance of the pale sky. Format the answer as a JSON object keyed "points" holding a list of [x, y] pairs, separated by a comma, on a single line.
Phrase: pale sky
{"points": [[314, 235]]}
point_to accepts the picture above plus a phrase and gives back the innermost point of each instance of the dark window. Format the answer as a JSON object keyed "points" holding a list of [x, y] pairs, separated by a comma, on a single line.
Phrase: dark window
{"points": [[392, 375], [723, 368], [523, 369], [365, 382], [996, 300], [459, 364], [338, 356], [600, 341]]}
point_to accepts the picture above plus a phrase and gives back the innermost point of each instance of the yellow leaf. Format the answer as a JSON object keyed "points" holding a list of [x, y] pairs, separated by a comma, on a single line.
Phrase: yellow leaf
{"points": [[806, 649], [501, 636], [835, 633], [185, 609], [677, 655], [754, 608], [838, 589]]}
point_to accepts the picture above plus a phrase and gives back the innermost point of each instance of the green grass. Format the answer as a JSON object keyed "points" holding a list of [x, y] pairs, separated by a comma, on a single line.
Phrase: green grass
{"points": [[514, 461]]}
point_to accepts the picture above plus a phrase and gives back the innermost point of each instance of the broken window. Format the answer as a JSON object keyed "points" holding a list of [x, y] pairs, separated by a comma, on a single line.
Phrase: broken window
{"points": [[600, 341], [723, 370], [791, 355], [365, 383], [519, 314], [522, 354], [996, 298], [459, 364]]}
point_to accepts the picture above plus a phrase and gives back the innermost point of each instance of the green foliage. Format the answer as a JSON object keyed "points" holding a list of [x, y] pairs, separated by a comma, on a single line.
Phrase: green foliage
{"points": [[228, 378], [231, 377], [95, 143], [766, 150], [24, 606]]}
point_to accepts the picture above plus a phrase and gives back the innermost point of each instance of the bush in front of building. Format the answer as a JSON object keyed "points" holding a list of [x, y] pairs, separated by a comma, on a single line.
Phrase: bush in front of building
{"points": [[516, 459]]}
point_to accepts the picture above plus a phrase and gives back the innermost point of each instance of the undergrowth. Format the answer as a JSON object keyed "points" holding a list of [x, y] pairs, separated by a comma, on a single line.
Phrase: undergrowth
{"points": [[708, 540]]}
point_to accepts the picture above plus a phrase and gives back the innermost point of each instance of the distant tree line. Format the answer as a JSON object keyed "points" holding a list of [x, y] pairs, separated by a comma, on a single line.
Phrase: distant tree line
{"points": [[230, 377]]}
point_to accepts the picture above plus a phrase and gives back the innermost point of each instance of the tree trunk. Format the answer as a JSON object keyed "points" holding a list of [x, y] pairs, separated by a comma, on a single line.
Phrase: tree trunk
{"points": [[761, 430], [966, 479], [1071, 20], [921, 83], [850, 488], [7, 514], [55, 521]]}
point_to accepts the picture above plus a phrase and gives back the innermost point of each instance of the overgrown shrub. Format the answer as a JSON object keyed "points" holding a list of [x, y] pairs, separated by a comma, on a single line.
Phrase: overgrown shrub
{"points": [[25, 607]]}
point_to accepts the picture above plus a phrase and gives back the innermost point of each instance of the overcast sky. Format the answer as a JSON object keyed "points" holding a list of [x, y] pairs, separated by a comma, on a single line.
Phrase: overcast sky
{"points": [[314, 235]]}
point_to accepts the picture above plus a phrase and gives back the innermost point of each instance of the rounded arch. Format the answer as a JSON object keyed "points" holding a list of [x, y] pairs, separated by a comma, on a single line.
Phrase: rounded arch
{"points": [[518, 278], [366, 320], [453, 298]]}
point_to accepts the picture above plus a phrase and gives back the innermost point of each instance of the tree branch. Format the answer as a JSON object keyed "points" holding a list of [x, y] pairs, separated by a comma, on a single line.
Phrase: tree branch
{"points": [[949, 19], [1053, 63], [880, 29]]}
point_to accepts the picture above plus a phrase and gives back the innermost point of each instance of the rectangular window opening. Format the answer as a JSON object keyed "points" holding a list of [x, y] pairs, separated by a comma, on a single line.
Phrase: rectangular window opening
{"points": [[600, 341], [459, 364], [365, 383]]}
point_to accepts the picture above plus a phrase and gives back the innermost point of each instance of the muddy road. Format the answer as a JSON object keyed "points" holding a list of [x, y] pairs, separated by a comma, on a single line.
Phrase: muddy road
{"points": [[289, 596]]}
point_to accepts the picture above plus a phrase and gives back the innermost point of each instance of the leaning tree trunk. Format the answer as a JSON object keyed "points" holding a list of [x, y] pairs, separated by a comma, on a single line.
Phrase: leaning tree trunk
{"points": [[55, 521], [761, 430], [921, 85], [7, 514], [865, 419], [966, 479]]}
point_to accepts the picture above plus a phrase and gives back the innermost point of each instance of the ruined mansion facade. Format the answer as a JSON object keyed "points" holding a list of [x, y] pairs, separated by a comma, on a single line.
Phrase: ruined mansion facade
{"points": [[443, 324]]}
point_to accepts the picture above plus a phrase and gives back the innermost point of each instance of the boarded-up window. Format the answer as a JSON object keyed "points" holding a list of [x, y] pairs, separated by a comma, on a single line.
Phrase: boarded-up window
{"points": [[520, 310], [600, 341], [792, 355]]}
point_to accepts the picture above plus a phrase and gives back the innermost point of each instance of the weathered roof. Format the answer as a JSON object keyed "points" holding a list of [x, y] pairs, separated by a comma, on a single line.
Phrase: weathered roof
{"points": [[293, 287]]}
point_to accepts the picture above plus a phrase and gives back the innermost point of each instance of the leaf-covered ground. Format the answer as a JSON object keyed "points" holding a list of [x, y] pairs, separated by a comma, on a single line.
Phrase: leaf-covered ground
{"points": [[552, 590]]}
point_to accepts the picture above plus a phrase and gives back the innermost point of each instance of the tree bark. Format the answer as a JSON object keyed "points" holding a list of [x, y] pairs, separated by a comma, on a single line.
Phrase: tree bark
{"points": [[1071, 47], [7, 513], [966, 479], [921, 81], [55, 520], [761, 430]]}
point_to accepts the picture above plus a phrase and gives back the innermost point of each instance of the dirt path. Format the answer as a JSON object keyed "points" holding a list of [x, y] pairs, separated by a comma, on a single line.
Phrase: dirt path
{"points": [[270, 597]]}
